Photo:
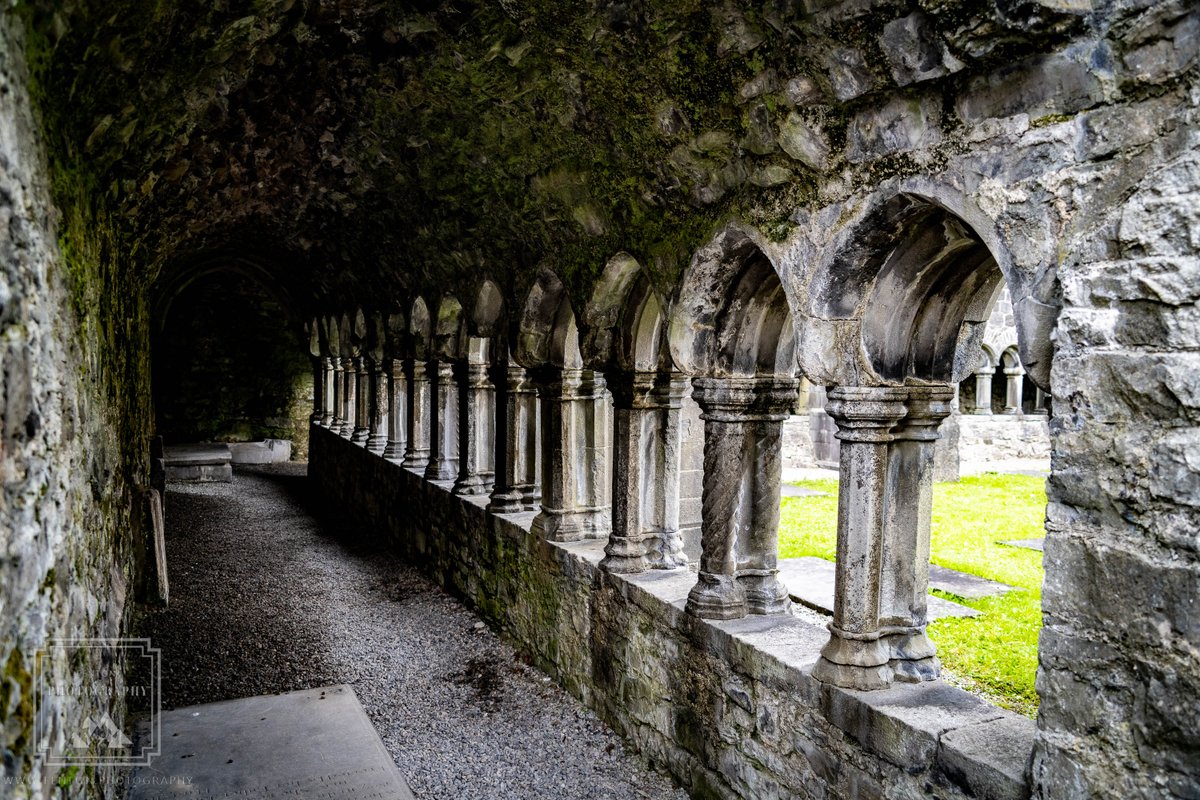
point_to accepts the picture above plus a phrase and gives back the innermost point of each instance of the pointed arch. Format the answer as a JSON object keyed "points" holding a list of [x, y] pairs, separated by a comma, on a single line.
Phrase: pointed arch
{"points": [[732, 316]]}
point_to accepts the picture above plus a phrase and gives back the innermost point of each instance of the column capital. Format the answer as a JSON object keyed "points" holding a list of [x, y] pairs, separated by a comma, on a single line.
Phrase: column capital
{"points": [[866, 413], [745, 399], [927, 405], [647, 390]]}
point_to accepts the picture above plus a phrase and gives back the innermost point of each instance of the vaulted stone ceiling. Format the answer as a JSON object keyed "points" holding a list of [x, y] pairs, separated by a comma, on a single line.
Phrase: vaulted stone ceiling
{"points": [[361, 147]]}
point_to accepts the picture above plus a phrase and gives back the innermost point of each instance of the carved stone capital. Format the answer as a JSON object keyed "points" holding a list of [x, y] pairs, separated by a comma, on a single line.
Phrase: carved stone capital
{"points": [[866, 413]]}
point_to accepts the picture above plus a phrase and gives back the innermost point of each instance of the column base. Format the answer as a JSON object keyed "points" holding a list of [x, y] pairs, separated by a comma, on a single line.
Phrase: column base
{"points": [[625, 555], [571, 526], [717, 597], [506, 503], [415, 459], [669, 552], [441, 469], [473, 485], [531, 499], [764, 593], [376, 444], [855, 662], [393, 451], [913, 656], [325, 422], [360, 435]]}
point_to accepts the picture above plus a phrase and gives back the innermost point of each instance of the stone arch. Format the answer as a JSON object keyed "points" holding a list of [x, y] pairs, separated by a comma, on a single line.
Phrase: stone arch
{"points": [[732, 315], [174, 282], [316, 337], [1010, 359], [626, 320], [488, 314], [346, 347], [989, 359], [331, 330], [396, 333], [548, 333], [420, 329], [904, 291], [448, 328]]}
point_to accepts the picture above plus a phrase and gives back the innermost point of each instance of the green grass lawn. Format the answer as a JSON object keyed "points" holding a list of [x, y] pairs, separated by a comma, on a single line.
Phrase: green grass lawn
{"points": [[994, 654]]}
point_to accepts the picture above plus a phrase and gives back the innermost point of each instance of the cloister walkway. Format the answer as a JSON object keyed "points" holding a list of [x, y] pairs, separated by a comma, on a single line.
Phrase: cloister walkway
{"points": [[266, 597]]}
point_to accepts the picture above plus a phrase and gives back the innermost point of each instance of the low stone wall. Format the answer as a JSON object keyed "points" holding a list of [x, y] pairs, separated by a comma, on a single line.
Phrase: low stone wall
{"points": [[730, 707], [1000, 437]]}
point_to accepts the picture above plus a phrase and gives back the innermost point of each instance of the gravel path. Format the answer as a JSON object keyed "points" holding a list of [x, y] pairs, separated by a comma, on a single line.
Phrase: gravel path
{"points": [[265, 598]]}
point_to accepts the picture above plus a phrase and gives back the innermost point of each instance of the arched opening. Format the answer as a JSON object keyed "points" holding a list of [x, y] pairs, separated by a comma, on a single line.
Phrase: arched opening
{"points": [[732, 328], [655, 512], [920, 284], [575, 412], [229, 359]]}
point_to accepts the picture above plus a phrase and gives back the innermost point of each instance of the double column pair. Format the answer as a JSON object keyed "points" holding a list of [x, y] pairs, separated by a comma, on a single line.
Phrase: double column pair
{"points": [[575, 426], [884, 503], [743, 436]]}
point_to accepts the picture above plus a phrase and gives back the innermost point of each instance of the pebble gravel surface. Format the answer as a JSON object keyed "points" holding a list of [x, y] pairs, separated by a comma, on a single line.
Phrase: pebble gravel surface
{"points": [[269, 597]]}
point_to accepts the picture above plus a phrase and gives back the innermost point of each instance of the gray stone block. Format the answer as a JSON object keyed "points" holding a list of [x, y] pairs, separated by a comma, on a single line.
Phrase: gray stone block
{"points": [[989, 760]]}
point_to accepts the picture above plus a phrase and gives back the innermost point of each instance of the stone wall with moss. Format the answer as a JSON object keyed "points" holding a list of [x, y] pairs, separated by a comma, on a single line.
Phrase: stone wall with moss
{"points": [[74, 422]]}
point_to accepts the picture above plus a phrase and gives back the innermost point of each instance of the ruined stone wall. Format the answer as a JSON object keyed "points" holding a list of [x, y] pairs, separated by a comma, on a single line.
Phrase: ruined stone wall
{"points": [[729, 708], [1119, 671], [74, 412]]}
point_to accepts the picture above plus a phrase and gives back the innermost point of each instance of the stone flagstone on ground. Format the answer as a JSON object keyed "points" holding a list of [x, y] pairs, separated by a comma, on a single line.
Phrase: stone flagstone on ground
{"points": [[1029, 544], [315, 744], [809, 580]]}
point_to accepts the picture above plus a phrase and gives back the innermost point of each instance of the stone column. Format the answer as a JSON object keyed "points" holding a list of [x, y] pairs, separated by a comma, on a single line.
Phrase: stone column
{"points": [[516, 480], [857, 655], [593, 432], [362, 405], [743, 435], [1039, 401], [416, 448], [983, 391], [904, 572], [397, 411], [443, 395], [380, 407], [328, 402], [349, 397], [318, 365], [646, 447], [476, 468], [1014, 378], [573, 469], [339, 388]]}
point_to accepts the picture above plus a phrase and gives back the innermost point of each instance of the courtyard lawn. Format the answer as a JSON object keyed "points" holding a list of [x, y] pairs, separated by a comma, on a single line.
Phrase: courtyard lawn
{"points": [[994, 654]]}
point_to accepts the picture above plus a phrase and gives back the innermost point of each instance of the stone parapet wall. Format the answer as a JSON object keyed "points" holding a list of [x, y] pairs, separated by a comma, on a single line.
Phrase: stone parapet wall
{"points": [[729, 708]]}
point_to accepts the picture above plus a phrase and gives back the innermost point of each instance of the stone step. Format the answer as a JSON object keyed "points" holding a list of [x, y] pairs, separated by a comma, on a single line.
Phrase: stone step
{"points": [[316, 744], [809, 580]]}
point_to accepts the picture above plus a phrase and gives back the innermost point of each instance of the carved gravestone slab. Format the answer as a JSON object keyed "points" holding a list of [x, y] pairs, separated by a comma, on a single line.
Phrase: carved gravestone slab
{"points": [[316, 744]]}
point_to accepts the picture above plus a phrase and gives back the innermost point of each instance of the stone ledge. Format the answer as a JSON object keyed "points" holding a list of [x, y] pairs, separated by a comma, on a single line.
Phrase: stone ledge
{"points": [[706, 698]]}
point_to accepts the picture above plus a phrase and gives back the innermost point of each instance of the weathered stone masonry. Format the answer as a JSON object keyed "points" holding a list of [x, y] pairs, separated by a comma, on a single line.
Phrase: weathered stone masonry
{"points": [[662, 218], [729, 707]]}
